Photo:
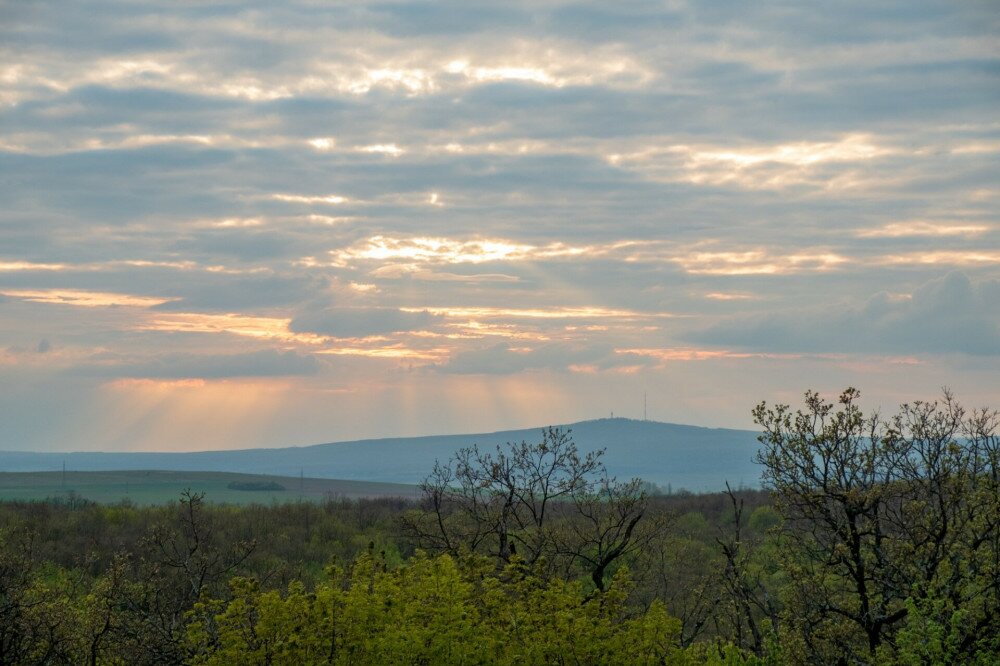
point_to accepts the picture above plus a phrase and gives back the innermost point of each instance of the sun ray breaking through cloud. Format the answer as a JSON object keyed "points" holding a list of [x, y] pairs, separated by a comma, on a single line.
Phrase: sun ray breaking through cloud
{"points": [[297, 220]]}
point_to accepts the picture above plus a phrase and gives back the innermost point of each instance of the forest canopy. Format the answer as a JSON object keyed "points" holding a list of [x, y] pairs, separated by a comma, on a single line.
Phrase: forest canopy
{"points": [[875, 541]]}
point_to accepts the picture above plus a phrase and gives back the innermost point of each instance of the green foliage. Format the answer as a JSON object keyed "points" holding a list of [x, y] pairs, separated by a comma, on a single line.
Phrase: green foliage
{"points": [[433, 610], [727, 654], [764, 518], [936, 634], [890, 530], [879, 545]]}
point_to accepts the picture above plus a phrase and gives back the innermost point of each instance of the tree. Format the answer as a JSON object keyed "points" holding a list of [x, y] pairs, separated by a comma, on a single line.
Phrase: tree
{"points": [[431, 610], [185, 557], [27, 633], [194, 550], [746, 608], [538, 500], [882, 516]]}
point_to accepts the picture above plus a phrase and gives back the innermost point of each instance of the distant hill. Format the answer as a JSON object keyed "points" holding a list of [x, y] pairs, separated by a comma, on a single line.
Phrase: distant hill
{"points": [[146, 487], [683, 456]]}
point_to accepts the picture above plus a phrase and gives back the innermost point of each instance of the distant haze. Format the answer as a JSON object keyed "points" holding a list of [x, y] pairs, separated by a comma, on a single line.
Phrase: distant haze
{"points": [[698, 459]]}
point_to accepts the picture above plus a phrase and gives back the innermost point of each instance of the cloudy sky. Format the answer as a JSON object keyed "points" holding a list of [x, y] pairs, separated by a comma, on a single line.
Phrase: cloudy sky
{"points": [[236, 224]]}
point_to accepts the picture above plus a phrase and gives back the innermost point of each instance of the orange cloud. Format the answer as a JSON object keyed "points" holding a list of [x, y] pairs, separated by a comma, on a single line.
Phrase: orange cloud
{"points": [[758, 262], [730, 296], [952, 257], [269, 328], [87, 299], [394, 351], [539, 313], [427, 250], [11, 266], [918, 228], [696, 354]]}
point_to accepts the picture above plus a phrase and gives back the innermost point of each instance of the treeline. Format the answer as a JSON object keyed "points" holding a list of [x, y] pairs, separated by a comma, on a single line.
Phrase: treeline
{"points": [[194, 582], [876, 542]]}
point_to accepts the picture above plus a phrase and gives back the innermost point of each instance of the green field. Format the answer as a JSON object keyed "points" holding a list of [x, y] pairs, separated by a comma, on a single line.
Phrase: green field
{"points": [[155, 487]]}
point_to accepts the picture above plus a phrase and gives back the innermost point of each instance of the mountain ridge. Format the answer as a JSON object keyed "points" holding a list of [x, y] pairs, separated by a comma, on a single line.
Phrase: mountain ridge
{"points": [[696, 458]]}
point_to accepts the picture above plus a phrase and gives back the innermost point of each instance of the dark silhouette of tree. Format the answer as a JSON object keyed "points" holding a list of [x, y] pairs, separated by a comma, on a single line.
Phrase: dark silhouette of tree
{"points": [[745, 602], [183, 558], [542, 500]]}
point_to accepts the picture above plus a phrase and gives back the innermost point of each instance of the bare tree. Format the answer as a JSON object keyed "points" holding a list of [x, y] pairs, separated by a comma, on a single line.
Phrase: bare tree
{"points": [[183, 558], [609, 521], [535, 500], [193, 551], [745, 600]]}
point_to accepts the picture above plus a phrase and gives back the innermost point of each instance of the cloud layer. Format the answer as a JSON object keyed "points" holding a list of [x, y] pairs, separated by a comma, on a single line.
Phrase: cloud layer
{"points": [[356, 219], [946, 315]]}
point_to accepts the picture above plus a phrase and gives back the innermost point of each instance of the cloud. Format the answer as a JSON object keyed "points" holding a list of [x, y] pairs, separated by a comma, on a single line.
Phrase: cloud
{"points": [[947, 315], [181, 180], [504, 359], [228, 293], [85, 299], [357, 322], [444, 276], [245, 245], [922, 228], [265, 363], [452, 251]]}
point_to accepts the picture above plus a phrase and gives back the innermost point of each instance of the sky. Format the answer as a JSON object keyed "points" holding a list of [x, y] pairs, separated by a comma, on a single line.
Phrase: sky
{"points": [[230, 225]]}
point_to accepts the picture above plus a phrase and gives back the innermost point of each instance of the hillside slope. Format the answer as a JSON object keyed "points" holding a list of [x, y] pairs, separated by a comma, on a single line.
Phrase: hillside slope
{"points": [[145, 487], [691, 457]]}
